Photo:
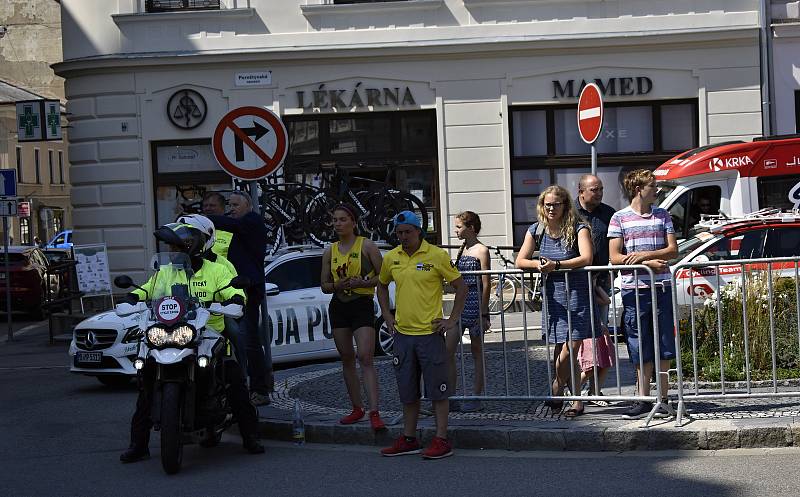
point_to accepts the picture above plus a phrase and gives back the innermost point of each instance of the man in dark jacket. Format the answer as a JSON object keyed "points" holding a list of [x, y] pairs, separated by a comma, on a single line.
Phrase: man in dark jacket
{"points": [[246, 253], [589, 204]]}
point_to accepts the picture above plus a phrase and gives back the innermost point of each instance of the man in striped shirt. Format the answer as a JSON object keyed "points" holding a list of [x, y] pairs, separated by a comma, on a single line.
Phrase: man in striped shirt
{"points": [[643, 234]]}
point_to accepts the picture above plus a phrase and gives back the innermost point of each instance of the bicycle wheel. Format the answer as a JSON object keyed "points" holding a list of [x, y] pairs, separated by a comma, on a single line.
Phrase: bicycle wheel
{"points": [[281, 209], [317, 220], [408, 202], [505, 286], [365, 228], [382, 210]]}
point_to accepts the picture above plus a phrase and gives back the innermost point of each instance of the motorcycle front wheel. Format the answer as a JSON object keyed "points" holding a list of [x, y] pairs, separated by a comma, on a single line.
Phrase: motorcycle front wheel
{"points": [[171, 439]]}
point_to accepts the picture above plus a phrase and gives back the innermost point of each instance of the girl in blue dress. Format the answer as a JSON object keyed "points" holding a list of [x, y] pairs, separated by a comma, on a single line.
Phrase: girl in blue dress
{"points": [[566, 243], [472, 256]]}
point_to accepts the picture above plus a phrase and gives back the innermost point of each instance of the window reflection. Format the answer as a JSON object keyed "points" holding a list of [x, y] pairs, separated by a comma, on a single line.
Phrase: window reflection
{"points": [[350, 136]]}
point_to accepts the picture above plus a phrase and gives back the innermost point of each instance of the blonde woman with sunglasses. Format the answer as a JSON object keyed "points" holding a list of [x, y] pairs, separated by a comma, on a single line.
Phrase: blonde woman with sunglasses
{"points": [[566, 243]]}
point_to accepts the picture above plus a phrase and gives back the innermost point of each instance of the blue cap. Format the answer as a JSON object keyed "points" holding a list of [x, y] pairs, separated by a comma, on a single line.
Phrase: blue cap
{"points": [[407, 217]]}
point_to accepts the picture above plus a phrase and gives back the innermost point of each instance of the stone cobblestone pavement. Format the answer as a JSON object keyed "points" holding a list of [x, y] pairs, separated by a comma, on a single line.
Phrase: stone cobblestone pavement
{"points": [[529, 425]]}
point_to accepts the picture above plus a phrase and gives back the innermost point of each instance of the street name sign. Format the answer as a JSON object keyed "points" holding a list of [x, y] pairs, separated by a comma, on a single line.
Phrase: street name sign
{"points": [[590, 113], [250, 142]]}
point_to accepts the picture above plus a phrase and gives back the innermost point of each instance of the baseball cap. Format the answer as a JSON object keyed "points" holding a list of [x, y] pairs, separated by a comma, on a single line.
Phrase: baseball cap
{"points": [[407, 217]]}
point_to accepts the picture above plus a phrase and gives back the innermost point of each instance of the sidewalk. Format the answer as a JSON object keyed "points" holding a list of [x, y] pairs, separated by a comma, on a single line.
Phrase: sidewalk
{"points": [[745, 423]]}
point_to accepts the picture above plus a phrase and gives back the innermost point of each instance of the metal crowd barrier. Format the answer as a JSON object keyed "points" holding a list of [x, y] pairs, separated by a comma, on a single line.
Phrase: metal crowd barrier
{"points": [[691, 314], [529, 392]]}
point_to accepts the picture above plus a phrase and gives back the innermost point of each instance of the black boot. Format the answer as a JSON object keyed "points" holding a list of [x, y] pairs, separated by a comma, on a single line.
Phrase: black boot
{"points": [[252, 445], [135, 454]]}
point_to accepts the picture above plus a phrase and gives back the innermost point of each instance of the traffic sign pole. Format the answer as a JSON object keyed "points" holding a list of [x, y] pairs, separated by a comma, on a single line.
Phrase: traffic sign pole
{"points": [[590, 118], [251, 143], [263, 332], [8, 279]]}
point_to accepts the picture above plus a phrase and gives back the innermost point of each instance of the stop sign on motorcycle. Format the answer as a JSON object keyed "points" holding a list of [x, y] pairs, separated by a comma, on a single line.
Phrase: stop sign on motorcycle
{"points": [[169, 309]]}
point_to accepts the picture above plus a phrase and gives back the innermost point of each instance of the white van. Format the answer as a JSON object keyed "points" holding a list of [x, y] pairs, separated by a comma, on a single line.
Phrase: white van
{"points": [[731, 178]]}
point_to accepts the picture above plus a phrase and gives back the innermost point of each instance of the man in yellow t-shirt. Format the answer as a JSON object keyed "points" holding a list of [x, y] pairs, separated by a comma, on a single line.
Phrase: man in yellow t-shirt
{"points": [[418, 270]]}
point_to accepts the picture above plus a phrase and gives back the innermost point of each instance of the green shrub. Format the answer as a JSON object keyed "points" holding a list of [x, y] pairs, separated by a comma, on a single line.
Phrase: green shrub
{"points": [[732, 312]]}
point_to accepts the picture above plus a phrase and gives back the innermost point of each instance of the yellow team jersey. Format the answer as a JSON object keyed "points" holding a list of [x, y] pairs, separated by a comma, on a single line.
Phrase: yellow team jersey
{"points": [[349, 265], [418, 279], [222, 243]]}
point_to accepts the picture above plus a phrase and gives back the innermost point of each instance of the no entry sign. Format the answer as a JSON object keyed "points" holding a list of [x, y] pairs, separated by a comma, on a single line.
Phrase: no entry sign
{"points": [[590, 113], [250, 142]]}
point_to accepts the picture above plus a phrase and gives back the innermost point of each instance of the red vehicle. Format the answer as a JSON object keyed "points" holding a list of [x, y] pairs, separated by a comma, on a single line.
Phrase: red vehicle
{"points": [[28, 280], [731, 178]]}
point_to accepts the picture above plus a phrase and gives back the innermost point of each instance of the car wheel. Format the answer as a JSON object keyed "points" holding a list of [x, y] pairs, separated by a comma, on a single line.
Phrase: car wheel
{"points": [[383, 339], [115, 380]]}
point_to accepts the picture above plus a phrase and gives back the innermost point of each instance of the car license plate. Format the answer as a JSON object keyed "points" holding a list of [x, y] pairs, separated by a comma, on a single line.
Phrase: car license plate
{"points": [[90, 357]]}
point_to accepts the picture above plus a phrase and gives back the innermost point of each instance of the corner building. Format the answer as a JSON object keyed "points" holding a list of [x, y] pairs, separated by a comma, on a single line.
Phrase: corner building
{"points": [[469, 104]]}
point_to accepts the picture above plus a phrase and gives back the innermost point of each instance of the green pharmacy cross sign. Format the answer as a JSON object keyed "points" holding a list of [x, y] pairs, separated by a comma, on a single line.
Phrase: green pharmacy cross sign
{"points": [[53, 119], [28, 121], [38, 120]]}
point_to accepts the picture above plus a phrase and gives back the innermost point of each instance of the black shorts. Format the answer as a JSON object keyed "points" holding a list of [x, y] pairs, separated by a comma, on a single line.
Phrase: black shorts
{"points": [[355, 314]]}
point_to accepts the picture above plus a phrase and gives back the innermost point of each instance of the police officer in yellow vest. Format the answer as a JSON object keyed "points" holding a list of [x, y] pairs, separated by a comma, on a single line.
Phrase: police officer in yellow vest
{"points": [[214, 204], [209, 279], [208, 229]]}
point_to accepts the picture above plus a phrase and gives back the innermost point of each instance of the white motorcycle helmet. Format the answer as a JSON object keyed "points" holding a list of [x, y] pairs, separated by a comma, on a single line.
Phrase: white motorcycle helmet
{"points": [[203, 224]]}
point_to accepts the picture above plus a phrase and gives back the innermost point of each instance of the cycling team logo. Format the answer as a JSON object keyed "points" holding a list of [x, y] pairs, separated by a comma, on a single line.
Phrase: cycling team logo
{"points": [[794, 196]]}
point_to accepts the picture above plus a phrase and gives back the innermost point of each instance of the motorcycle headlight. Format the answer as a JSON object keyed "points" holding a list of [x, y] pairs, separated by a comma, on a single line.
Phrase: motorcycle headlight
{"points": [[182, 335], [157, 336]]}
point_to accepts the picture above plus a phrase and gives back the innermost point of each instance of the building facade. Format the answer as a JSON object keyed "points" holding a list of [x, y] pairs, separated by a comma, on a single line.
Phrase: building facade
{"points": [[30, 40], [470, 104], [786, 66]]}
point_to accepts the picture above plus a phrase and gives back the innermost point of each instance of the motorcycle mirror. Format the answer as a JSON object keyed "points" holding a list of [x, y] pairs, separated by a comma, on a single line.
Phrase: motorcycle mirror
{"points": [[123, 281]]}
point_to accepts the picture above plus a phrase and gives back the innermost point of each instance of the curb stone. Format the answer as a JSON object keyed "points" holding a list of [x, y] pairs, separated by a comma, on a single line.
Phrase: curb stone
{"points": [[587, 439]]}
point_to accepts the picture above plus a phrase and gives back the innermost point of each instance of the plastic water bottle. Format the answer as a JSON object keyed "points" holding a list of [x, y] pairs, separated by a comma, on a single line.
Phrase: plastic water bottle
{"points": [[298, 427]]}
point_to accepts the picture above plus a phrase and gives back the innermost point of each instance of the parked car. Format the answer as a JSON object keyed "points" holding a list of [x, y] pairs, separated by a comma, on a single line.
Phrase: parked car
{"points": [[105, 345], [29, 280], [61, 240], [761, 235]]}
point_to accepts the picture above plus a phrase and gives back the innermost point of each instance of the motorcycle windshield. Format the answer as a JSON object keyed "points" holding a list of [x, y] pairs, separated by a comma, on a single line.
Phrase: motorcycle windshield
{"points": [[172, 272]]}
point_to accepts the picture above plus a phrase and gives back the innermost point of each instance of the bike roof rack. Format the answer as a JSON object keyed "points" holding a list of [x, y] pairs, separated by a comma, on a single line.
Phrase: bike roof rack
{"points": [[716, 222]]}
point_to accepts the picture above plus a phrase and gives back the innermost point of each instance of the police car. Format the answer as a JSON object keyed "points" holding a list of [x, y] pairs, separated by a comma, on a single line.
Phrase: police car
{"points": [[766, 234], [104, 345]]}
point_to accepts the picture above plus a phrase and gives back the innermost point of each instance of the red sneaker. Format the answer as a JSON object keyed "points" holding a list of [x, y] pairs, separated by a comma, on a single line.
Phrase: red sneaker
{"points": [[438, 449], [400, 447], [375, 421], [353, 417]]}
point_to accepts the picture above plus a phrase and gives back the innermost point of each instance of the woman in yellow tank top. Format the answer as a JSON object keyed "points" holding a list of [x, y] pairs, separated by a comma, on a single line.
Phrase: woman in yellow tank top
{"points": [[349, 271]]}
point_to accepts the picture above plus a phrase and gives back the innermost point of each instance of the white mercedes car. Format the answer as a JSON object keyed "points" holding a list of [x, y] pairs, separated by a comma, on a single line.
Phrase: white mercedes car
{"points": [[104, 345]]}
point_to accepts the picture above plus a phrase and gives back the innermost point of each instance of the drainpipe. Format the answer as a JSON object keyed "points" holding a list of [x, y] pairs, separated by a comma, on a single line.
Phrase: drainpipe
{"points": [[767, 85]]}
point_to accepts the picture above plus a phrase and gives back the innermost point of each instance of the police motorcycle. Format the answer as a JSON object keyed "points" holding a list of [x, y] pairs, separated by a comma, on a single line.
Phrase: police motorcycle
{"points": [[189, 397]]}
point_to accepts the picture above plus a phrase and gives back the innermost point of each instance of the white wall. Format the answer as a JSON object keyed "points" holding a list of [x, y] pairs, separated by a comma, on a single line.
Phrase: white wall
{"points": [[786, 74]]}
